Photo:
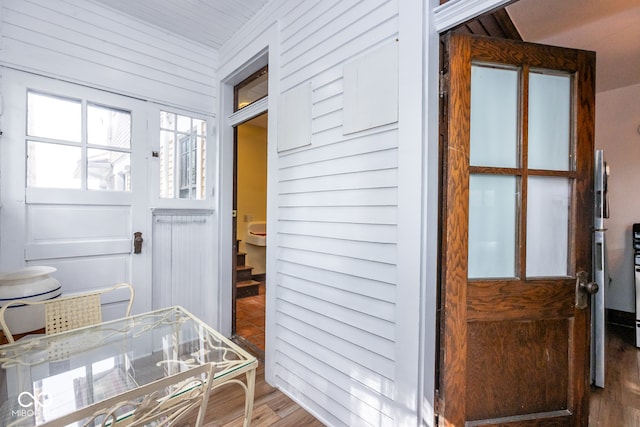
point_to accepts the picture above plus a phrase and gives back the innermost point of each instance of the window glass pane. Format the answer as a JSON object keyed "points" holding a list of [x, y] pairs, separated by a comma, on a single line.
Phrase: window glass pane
{"points": [[200, 168], [254, 88], [109, 127], [492, 226], [53, 165], [494, 117], [184, 124], [167, 169], [183, 159], [108, 170], [549, 121], [187, 166], [167, 120], [54, 117], [200, 126], [548, 226]]}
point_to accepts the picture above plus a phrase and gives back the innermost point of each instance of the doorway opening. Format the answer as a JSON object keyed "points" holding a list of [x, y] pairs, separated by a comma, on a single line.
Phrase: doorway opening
{"points": [[248, 238], [251, 219]]}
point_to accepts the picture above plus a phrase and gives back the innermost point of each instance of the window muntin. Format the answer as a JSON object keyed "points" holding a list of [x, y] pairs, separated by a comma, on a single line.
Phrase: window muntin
{"points": [[182, 157], [75, 144]]}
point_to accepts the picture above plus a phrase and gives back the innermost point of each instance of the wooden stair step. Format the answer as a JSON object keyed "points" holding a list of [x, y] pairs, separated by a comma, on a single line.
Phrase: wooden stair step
{"points": [[241, 258], [247, 288], [243, 273]]}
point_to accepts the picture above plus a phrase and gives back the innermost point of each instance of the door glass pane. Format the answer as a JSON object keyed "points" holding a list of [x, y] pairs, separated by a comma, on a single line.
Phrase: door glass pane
{"points": [[494, 117], [108, 170], [167, 164], [200, 126], [492, 226], [109, 127], [548, 226], [53, 165], [184, 124], [54, 117], [549, 121], [182, 157]]}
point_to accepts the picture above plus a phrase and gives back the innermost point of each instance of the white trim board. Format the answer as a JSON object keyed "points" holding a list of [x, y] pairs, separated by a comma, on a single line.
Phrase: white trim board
{"points": [[455, 12]]}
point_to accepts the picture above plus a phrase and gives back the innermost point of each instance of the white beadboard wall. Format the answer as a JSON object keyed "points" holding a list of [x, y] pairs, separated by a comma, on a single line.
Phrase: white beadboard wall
{"points": [[337, 221], [88, 43], [182, 268]]}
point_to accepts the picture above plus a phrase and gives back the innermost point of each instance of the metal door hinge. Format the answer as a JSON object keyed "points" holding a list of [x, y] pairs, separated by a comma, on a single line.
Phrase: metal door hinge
{"points": [[234, 213], [437, 404], [444, 83]]}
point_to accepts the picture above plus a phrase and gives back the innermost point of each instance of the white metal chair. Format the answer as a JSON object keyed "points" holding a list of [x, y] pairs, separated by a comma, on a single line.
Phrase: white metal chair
{"points": [[162, 403], [68, 311]]}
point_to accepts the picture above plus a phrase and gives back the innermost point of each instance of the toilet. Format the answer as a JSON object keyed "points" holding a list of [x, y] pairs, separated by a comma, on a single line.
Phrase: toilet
{"points": [[256, 246]]}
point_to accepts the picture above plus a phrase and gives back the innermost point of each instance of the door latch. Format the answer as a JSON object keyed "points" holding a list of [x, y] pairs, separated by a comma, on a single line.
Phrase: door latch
{"points": [[584, 289], [137, 242]]}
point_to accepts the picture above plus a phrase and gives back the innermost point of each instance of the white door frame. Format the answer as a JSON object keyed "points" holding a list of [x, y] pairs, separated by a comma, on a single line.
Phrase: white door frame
{"points": [[249, 59], [455, 12]]}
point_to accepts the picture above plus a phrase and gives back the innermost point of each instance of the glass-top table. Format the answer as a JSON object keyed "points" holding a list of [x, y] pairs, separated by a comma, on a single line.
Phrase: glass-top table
{"points": [[49, 376]]}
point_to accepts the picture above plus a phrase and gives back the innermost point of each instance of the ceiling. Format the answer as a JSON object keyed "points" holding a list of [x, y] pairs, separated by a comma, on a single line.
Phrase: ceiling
{"points": [[209, 22], [611, 28]]}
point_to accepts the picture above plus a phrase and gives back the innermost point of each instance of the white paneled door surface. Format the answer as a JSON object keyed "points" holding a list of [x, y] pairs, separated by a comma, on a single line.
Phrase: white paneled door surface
{"points": [[74, 184]]}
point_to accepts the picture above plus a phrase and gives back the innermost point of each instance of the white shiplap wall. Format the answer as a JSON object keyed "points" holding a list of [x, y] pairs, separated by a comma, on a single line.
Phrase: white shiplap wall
{"points": [[335, 298], [88, 43], [332, 295]]}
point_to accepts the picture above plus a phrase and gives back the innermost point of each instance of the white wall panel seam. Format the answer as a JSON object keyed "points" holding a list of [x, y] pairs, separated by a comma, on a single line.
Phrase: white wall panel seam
{"points": [[362, 16], [301, 28], [355, 144], [365, 403], [356, 370], [176, 83], [299, 293], [91, 56], [138, 26], [108, 36]]}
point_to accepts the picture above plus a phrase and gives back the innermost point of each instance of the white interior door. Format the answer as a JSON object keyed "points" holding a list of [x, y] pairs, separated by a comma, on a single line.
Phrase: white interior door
{"points": [[74, 185]]}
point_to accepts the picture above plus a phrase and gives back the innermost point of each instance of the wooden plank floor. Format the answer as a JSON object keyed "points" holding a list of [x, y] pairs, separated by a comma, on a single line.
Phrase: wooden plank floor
{"points": [[618, 403], [271, 408]]}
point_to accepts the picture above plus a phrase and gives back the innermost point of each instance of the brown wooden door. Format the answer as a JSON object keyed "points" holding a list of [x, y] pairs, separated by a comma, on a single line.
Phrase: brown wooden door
{"points": [[517, 207]]}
